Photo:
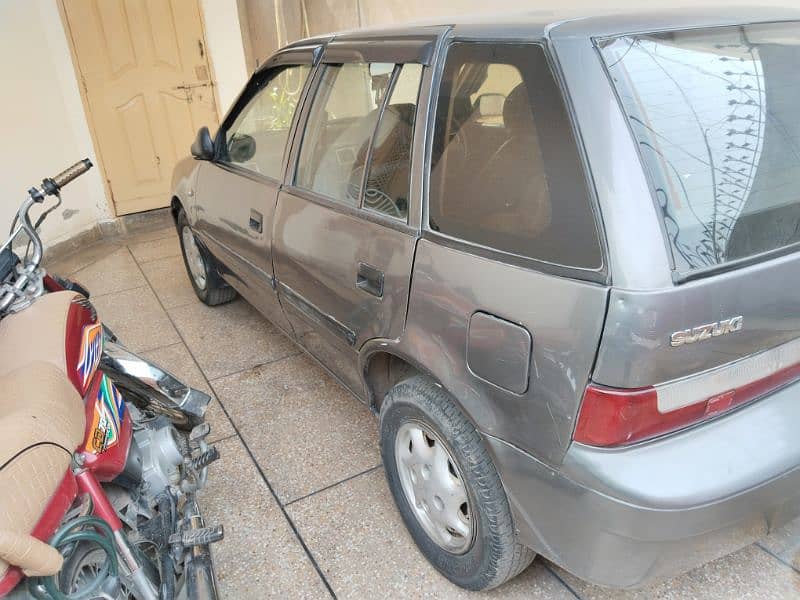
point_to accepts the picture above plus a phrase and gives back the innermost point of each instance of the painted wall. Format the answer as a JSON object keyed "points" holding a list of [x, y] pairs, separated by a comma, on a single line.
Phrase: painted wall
{"points": [[45, 127], [269, 24], [225, 49]]}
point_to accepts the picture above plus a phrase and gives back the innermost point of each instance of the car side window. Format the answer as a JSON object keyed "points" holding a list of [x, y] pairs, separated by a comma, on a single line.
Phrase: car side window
{"points": [[388, 181], [505, 169], [257, 137], [339, 129]]}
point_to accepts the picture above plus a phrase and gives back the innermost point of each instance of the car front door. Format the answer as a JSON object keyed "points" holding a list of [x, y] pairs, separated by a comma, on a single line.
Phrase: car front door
{"points": [[237, 191], [347, 221]]}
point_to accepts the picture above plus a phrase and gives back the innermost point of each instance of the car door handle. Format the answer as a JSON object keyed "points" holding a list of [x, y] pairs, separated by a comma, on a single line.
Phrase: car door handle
{"points": [[370, 280], [256, 221]]}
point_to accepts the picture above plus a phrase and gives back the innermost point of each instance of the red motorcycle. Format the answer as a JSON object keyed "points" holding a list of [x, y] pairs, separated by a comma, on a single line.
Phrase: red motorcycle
{"points": [[101, 452]]}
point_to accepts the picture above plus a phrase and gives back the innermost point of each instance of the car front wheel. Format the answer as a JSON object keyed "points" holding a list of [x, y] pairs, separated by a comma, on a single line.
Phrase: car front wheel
{"points": [[207, 284], [447, 488]]}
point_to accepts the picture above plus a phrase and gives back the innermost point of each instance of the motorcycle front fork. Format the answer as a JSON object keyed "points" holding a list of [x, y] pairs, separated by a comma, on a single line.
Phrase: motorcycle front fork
{"points": [[102, 508]]}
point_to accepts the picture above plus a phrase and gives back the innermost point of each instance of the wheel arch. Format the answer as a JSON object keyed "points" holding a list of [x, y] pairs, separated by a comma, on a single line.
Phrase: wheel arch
{"points": [[175, 205], [384, 363]]}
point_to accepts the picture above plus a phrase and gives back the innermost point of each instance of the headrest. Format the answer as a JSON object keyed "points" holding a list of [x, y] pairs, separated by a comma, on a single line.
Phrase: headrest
{"points": [[396, 125], [517, 115], [404, 111]]}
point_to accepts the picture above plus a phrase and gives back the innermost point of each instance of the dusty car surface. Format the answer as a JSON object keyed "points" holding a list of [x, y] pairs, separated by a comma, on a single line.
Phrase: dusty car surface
{"points": [[557, 257]]}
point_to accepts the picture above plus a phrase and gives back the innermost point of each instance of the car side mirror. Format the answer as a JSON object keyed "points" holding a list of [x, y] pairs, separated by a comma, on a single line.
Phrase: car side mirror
{"points": [[203, 145], [241, 148]]}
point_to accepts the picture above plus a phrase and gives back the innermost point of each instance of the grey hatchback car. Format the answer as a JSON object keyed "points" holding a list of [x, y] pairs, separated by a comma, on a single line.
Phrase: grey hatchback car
{"points": [[557, 257]]}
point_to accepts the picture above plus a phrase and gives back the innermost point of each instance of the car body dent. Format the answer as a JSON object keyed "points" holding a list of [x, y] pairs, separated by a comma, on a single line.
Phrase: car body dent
{"points": [[559, 314]]}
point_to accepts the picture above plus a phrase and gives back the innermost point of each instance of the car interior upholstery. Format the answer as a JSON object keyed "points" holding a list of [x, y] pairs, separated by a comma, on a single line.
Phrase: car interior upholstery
{"points": [[486, 161]]}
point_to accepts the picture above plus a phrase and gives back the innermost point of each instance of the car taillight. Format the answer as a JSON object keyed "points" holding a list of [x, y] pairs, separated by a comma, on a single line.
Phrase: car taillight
{"points": [[616, 417]]}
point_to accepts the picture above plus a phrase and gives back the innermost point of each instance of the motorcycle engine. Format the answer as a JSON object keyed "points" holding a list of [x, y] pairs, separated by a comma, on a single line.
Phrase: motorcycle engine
{"points": [[155, 455]]}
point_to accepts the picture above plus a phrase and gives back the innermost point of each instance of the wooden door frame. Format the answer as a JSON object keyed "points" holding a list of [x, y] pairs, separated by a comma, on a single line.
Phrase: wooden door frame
{"points": [[62, 12]]}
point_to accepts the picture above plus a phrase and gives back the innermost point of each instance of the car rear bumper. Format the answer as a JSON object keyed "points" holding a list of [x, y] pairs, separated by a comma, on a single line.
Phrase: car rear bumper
{"points": [[624, 517]]}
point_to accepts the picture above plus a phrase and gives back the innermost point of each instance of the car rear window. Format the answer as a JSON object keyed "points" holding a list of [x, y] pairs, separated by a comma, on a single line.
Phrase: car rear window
{"points": [[715, 115], [505, 169]]}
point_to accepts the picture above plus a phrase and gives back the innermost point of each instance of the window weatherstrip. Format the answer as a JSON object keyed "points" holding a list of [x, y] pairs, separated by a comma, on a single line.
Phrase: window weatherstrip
{"points": [[400, 49]]}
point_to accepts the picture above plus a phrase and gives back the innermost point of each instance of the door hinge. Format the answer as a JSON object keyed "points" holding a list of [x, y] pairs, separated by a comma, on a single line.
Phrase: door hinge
{"points": [[83, 83], [201, 48]]}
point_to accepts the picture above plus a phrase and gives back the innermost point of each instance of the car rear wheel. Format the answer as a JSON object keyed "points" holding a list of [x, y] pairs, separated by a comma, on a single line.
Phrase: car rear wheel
{"points": [[447, 488], [203, 275]]}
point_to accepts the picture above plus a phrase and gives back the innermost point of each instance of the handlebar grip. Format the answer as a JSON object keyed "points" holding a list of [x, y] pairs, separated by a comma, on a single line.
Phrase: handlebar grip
{"points": [[54, 184]]}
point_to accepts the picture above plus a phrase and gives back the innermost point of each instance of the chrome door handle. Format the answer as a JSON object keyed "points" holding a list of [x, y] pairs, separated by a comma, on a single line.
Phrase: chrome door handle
{"points": [[370, 280]]}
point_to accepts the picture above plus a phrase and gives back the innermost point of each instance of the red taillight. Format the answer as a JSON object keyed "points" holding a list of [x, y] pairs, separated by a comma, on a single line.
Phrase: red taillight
{"points": [[616, 417]]}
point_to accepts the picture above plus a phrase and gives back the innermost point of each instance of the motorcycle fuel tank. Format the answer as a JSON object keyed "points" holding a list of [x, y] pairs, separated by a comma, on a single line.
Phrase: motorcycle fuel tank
{"points": [[108, 424]]}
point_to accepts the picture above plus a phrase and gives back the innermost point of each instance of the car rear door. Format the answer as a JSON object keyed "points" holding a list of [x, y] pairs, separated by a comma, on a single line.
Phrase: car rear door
{"points": [[347, 220], [238, 190]]}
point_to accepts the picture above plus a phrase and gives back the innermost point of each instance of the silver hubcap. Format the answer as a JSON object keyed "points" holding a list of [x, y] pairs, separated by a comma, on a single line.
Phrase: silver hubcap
{"points": [[197, 266], [433, 487]]}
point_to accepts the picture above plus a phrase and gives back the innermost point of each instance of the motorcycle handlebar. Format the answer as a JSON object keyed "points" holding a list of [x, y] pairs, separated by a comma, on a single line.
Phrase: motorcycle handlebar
{"points": [[53, 185]]}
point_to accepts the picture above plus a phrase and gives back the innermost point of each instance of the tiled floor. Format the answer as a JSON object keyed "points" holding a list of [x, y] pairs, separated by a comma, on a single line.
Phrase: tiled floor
{"points": [[299, 487]]}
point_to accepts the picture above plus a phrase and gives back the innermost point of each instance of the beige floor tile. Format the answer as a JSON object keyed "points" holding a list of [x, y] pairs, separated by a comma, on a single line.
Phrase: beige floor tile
{"points": [[177, 360], [147, 251], [229, 338], [785, 542], [749, 573], [137, 319], [304, 429], [67, 265], [115, 272], [166, 231], [358, 538], [170, 282], [260, 556]]}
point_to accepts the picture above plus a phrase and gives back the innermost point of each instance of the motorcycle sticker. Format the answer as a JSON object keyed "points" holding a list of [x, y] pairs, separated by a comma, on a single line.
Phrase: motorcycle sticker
{"points": [[91, 351], [109, 409]]}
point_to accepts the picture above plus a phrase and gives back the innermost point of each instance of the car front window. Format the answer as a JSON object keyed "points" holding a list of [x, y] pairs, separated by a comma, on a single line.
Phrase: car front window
{"points": [[257, 138]]}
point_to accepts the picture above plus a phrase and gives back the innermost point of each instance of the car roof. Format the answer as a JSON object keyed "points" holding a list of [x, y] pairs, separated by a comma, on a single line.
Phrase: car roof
{"points": [[588, 22]]}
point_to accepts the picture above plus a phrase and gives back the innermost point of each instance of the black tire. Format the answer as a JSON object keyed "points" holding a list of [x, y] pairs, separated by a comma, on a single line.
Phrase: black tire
{"points": [[495, 555], [215, 291]]}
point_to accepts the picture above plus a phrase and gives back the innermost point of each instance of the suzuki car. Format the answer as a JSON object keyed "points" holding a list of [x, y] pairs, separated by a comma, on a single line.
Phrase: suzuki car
{"points": [[557, 257]]}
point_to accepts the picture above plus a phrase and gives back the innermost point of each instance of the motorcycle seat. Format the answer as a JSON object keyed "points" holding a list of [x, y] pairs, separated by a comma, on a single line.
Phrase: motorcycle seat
{"points": [[42, 421]]}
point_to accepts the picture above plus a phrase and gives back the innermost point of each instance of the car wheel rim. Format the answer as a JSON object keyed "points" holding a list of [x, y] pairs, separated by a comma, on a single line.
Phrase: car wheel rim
{"points": [[434, 488], [197, 266]]}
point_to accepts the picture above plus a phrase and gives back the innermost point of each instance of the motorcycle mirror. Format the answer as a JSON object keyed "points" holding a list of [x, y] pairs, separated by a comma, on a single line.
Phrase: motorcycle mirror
{"points": [[203, 146]]}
